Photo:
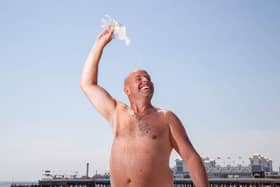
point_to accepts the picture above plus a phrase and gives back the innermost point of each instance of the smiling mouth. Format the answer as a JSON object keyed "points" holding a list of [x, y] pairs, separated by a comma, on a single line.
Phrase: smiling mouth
{"points": [[145, 88]]}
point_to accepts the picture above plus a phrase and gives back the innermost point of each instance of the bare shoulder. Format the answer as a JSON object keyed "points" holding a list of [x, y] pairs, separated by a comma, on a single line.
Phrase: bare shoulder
{"points": [[121, 106], [161, 112], [168, 114]]}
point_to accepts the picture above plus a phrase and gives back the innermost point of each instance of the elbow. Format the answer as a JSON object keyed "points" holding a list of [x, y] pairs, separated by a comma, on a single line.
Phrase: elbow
{"points": [[87, 81], [192, 158], [83, 85]]}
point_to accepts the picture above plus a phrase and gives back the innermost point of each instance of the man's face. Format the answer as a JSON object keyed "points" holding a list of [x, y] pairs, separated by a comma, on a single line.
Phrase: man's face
{"points": [[139, 83]]}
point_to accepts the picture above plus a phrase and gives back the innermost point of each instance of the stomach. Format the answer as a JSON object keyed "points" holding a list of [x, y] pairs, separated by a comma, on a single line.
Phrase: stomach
{"points": [[140, 164]]}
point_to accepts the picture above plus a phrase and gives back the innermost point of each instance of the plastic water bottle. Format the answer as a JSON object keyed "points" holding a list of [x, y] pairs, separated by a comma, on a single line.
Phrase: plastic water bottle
{"points": [[119, 29]]}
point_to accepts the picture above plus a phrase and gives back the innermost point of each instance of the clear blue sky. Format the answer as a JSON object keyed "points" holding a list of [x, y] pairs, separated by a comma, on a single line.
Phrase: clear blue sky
{"points": [[214, 63]]}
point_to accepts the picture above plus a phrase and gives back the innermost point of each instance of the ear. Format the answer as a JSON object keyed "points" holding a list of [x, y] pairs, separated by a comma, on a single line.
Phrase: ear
{"points": [[126, 90]]}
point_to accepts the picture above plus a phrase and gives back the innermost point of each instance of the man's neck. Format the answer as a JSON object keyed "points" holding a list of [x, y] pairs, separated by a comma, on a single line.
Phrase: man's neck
{"points": [[140, 107]]}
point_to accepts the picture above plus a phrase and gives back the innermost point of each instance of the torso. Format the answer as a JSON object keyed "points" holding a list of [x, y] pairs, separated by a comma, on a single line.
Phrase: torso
{"points": [[140, 150]]}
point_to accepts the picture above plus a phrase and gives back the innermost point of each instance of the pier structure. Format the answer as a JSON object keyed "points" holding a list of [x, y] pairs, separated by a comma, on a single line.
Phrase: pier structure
{"points": [[239, 182]]}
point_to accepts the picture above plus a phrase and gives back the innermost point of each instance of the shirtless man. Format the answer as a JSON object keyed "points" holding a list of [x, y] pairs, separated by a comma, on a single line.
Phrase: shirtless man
{"points": [[143, 135]]}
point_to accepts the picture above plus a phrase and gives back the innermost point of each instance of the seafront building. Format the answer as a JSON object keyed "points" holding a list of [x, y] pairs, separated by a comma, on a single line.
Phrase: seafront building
{"points": [[258, 172], [259, 166], [220, 175]]}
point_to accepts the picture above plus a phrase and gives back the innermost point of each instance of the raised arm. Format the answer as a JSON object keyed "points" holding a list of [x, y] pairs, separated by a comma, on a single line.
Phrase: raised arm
{"points": [[183, 146], [97, 95]]}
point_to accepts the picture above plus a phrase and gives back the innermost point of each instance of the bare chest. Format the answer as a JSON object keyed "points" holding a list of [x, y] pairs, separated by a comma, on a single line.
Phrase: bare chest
{"points": [[150, 127], [140, 143]]}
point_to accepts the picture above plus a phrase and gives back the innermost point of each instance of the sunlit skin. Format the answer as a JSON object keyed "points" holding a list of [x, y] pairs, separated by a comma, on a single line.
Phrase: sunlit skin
{"points": [[143, 135]]}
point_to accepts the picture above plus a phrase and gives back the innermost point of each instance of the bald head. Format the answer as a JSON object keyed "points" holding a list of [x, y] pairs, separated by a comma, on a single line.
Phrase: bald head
{"points": [[131, 74], [138, 82]]}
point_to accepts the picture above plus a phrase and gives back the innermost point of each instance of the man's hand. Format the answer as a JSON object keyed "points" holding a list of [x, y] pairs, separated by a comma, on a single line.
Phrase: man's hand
{"points": [[105, 37]]}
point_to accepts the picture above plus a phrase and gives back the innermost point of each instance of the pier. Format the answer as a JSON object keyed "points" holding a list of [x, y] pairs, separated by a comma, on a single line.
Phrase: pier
{"points": [[238, 182]]}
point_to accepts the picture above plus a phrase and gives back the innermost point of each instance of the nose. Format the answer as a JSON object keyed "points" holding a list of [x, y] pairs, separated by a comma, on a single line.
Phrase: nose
{"points": [[145, 79]]}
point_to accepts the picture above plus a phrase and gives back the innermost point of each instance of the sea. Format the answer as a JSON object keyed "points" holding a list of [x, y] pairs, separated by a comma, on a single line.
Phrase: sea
{"points": [[8, 183]]}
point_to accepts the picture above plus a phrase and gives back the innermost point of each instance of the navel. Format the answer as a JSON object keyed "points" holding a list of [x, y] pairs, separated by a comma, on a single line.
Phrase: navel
{"points": [[128, 180], [154, 137]]}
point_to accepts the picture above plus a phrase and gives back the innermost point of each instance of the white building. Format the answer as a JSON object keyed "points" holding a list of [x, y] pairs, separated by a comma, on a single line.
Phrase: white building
{"points": [[213, 170], [260, 163]]}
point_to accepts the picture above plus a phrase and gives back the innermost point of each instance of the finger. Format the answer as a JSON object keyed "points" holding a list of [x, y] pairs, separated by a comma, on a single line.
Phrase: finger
{"points": [[102, 32], [111, 28], [108, 28]]}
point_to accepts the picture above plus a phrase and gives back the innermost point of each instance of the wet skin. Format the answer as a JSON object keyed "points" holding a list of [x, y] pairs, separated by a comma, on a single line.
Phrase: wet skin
{"points": [[143, 136], [140, 150]]}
